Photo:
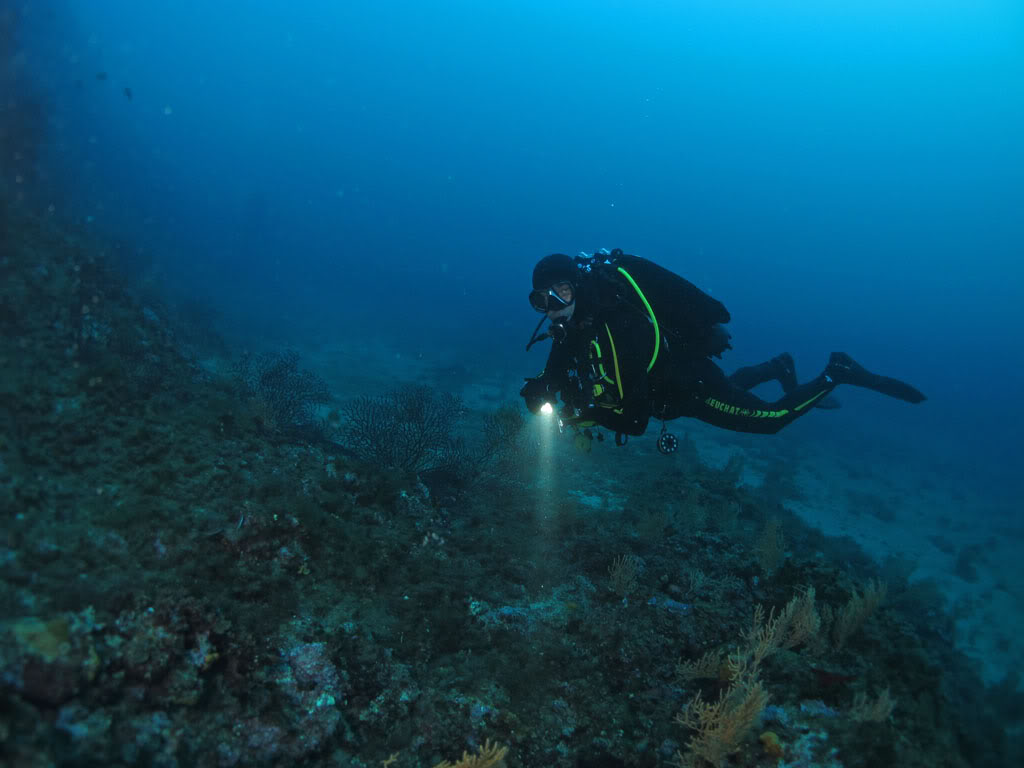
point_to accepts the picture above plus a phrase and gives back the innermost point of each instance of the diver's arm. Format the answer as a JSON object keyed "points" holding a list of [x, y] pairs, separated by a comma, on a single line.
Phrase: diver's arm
{"points": [[544, 387]]}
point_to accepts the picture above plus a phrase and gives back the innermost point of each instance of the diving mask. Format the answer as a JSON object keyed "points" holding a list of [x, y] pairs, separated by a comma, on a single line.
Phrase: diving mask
{"points": [[553, 299]]}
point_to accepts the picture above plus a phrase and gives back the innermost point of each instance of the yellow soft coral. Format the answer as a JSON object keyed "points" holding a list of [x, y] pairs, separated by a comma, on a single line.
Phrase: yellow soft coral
{"points": [[488, 756]]}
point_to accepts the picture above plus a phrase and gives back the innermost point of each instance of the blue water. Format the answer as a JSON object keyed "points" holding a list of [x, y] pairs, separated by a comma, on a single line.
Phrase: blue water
{"points": [[843, 177]]}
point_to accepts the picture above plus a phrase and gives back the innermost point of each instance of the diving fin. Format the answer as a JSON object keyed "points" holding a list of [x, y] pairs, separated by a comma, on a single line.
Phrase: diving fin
{"points": [[843, 369]]}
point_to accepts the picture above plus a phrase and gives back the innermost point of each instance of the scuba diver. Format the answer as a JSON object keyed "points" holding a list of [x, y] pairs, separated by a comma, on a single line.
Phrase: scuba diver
{"points": [[632, 340]]}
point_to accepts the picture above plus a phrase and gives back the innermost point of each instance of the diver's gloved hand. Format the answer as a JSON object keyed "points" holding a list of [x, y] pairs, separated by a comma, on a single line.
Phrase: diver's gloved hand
{"points": [[536, 392]]}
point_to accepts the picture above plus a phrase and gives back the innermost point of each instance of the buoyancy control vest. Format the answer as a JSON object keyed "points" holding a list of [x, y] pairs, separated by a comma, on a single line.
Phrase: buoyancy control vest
{"points": [[687, 322]]}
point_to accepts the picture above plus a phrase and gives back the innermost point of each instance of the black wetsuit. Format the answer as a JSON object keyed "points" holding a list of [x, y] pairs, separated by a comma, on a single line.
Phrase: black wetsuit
{"points": [[674, 387], [611, 368]]}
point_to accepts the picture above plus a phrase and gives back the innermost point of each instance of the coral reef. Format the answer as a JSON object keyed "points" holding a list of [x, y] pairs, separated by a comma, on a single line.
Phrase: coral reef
{"points": [[182, 586]]}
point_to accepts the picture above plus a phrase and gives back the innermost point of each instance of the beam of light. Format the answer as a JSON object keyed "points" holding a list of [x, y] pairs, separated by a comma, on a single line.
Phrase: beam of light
{"points": [[547, 480]]}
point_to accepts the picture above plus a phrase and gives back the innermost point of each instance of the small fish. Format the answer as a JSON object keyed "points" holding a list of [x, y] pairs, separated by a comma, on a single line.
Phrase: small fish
{"points": [[101, 75], [128, 93]]}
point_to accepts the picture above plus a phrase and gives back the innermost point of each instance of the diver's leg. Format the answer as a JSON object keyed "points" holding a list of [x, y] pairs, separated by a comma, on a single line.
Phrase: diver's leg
{"points": [[716, 400], [781, 369]]}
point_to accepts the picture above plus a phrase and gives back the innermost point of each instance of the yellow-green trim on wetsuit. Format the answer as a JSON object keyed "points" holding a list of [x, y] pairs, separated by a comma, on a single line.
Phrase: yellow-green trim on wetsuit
{"points": [[654, 320], [615, 362], [739, 410], [600, 361], [759, 413], [805, 403]]}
